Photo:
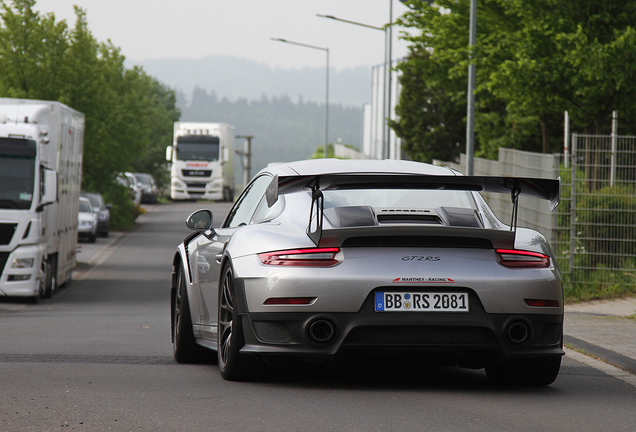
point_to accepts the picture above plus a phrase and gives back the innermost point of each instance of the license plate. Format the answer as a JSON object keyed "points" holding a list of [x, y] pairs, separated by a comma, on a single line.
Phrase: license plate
{"points": [[421, 302]]}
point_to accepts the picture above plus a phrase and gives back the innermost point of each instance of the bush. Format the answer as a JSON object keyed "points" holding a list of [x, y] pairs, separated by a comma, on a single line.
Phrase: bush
{"points": [[124, 211], [607, 223]]}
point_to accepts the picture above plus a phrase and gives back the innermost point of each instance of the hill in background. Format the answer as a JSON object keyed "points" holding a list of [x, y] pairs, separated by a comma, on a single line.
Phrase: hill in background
{"points": [[240, 78], [283, 130], [283, 109]]}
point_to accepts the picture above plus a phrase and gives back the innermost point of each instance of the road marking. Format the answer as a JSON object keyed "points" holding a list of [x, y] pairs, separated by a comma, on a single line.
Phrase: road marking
{"points": [[602, 366]]}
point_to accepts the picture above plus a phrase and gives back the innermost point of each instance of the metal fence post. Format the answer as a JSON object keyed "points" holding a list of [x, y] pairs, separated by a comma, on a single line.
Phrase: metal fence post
{"points": [[573, 206]]}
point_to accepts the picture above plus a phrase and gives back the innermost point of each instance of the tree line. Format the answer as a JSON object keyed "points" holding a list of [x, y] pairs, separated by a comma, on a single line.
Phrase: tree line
{"points": [[535, 59], [129, 115], [284, 130]]}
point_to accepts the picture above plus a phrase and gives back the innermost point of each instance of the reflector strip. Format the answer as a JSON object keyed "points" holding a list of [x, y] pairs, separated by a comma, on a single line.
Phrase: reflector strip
{"points": [[542, 303], [289, 300], [301, 257], [519, 258]]}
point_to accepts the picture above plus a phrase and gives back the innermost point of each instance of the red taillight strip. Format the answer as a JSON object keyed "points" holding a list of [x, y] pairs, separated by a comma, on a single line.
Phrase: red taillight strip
{"points": [[289, 300], [301, 257], [519, 258], [542, 303]]}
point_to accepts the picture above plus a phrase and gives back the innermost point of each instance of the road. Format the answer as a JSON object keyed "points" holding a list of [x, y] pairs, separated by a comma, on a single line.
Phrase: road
{"points": [[97, 357]]}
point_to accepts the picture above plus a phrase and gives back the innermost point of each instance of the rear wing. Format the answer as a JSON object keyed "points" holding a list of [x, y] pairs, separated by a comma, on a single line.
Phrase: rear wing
{"points": [[547, 189]]}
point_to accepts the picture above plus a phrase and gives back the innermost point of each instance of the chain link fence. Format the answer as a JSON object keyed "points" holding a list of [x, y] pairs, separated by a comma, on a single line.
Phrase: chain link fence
{"points": [[595, 233]]}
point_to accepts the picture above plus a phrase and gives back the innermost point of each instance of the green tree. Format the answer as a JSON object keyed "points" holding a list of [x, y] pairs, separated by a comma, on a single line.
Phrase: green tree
{"points": [[129, 115], [535, 59], [32, 52]]}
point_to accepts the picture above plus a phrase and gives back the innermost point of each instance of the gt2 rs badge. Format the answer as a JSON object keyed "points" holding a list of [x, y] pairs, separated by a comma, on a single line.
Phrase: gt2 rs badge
{"points": [[420, 258], [401, 280]]}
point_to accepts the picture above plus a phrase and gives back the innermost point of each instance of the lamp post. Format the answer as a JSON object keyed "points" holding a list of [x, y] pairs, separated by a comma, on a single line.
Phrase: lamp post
{"points": [[326, 50], [247, 154], [470, 118], [387, 89]]}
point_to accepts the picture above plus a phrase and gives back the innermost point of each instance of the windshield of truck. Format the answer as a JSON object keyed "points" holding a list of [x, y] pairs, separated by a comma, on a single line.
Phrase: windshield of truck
{"points": [[198, 147], [17, 172]]}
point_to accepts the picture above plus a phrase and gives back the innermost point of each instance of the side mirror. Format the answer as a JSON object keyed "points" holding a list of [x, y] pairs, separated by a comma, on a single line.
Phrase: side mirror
{"points": [[201, 221], [169, 153], [226, 154], [49, 194]]}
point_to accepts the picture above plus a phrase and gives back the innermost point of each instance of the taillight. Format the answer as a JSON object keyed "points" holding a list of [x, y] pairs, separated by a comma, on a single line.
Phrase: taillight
{"points": [[519, 258], [301, 257]]}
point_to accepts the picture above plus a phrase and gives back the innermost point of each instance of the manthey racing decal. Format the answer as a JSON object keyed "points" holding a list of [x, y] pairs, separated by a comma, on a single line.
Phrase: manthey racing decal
{"points": [[424, 280]]}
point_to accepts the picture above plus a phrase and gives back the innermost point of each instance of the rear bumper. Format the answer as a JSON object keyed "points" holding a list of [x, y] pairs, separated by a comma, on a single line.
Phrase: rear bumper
{"points": [[475, 337]]}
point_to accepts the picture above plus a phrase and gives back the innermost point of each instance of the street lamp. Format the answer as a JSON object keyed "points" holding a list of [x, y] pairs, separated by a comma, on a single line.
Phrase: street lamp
{"points": [[247, 155], [326, 50], [387, 73], [470, 117]]}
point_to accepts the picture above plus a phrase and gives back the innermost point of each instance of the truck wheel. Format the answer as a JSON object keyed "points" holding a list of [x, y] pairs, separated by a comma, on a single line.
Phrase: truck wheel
{"points": [[50, 285]]}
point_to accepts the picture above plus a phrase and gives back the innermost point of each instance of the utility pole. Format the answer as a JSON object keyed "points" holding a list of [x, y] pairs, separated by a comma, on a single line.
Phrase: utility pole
{"points": [[247, 157]]}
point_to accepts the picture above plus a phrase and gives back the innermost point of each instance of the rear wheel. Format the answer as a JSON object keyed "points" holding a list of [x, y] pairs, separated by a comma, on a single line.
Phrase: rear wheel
{"points": [[532, 372], [233, 365], [184, 346]]}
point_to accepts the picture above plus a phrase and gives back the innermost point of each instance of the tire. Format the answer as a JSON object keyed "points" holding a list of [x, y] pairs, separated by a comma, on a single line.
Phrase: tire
{"points": [[532, 372], [50, 285], [233, 365], [92, 238], [184, 346]]}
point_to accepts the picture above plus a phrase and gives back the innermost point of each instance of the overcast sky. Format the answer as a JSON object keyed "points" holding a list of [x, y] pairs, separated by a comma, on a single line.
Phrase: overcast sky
{"points": [[151, 29]]}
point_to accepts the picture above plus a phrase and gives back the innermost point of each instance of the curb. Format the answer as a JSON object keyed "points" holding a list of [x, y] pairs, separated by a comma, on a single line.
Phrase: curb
{"points": [[615, 359]]}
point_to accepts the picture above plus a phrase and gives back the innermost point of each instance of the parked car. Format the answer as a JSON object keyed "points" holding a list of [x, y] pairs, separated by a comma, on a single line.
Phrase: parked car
{"points": [[101, 209], [128, 180], [371, 260], [148, 188], [86, 221]]}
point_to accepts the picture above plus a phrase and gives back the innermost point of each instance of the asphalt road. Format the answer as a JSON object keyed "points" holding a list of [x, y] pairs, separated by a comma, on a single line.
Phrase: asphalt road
{"points": [[97, 357]]}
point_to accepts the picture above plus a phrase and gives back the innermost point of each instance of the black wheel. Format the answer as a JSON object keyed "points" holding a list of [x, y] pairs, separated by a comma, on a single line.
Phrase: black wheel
{"points": [[533, 372], [50, 284], [92, 238], [184, 346], [233, 365]]}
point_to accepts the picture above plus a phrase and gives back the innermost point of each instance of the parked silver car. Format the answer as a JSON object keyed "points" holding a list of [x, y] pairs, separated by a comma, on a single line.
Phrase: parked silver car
{"points": [[148, 188], [86, 221], [370, 259], [101, 210]]}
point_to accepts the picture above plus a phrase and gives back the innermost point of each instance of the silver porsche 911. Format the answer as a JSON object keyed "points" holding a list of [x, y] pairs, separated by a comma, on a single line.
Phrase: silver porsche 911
{"points": [[371, 259]]}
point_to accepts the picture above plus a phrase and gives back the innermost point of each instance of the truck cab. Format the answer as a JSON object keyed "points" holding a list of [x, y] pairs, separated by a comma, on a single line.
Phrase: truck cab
{"points": [[201, 157]]}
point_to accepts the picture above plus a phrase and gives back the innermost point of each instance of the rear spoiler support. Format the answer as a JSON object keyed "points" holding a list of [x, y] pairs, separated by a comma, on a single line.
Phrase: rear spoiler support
{"points": [[514, 195], [316, 213]]}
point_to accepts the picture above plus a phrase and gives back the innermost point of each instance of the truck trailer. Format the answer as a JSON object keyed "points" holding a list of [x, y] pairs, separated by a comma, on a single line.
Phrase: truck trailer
{"points": [[41, 145], [202, 161]]}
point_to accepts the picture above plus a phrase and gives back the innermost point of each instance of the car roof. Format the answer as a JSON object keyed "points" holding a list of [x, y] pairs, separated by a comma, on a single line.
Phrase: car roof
{"points": [[342, 166]]}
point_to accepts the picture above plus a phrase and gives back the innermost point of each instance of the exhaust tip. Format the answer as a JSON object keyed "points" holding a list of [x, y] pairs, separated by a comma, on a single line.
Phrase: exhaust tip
{"points": [[518, 332], [321, 331]]}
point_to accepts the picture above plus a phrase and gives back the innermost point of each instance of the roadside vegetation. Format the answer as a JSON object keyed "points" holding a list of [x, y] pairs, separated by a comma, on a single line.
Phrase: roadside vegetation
{"points": [[534, 60], [129, 115]]}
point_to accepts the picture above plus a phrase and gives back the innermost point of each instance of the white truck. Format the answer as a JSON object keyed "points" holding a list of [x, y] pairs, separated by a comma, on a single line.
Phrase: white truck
{"points": [[41, 146], [202, 161]]}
